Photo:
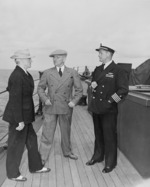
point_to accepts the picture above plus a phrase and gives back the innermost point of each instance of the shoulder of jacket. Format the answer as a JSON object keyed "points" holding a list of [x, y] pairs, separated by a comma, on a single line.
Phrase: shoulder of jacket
{"points": [[16, 72], [119, 68], [16, 75], [96, 68], [71, 70], [48, 70]]}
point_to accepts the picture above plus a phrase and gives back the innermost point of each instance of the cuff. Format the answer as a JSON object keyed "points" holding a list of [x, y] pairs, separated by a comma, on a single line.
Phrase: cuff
{"points": [[116, 98]]}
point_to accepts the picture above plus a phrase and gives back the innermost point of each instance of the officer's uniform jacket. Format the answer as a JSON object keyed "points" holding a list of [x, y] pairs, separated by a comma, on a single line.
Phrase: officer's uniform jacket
{"points": [[112, 85], [59, 90], [20, 106]]}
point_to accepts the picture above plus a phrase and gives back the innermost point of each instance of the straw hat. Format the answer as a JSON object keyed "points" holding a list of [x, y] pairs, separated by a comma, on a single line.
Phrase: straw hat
{"points": [[22, 54]]}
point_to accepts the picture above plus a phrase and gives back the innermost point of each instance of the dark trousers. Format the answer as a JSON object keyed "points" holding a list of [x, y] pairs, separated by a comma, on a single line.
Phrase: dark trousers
{"points": [[16, 144], [105, 138]]}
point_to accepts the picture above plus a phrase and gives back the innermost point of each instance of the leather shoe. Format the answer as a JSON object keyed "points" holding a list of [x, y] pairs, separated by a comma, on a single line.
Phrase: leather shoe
{"points": [[20, 178], [43, 170], [92, 162], [72, 156], [107, 169]]}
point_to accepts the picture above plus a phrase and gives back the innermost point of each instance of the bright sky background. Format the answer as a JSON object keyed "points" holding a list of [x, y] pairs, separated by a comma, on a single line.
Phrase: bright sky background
{"points": [[78, 26]]}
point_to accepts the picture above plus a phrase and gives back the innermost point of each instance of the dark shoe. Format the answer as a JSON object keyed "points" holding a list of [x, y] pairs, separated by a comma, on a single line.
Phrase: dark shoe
{"points": [[43, 170], [72, 156], [107, 169], [20, 178], [92, 162]]}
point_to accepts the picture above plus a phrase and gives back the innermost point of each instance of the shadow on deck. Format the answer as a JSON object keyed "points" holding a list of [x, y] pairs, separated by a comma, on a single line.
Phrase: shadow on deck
{"points": [[69, 173]]}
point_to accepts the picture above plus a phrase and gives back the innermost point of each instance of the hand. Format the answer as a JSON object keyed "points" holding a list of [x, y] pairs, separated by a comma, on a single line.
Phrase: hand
{"points": [[20, 126], [47, 102], [94, 84], [71, 104]]}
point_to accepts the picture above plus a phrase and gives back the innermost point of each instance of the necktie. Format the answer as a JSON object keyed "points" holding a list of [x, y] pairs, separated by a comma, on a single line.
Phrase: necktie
{"points": [[103, 66], [60, 72]]}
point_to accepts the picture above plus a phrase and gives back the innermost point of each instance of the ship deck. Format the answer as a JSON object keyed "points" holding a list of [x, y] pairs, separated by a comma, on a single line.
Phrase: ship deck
{"points": [[70, 173]]}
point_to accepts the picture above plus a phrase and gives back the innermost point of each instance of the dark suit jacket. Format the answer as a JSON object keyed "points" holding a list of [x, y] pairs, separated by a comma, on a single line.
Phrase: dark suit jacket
{"points": [[20, 105], [112, 85]]}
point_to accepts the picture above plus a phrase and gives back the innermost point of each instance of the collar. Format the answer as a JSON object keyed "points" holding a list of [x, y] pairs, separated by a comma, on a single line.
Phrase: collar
{"points": [[107, 64], [23, 69], [62, 68]]}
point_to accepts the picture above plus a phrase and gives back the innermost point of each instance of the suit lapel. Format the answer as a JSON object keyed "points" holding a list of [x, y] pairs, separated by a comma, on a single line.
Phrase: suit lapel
{"points": [[105, 71], [55, 74], [25, 76], [65, 76]]}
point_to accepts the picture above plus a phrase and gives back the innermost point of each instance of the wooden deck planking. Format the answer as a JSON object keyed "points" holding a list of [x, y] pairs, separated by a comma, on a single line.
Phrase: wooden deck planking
{"points": [[51, 163], [69, 173], [81, 161], [88, 145], [115, 177], [128, 170], [84, 156]]}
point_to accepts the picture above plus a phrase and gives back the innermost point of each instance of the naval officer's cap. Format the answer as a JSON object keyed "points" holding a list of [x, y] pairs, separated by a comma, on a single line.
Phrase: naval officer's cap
{"points": [[105, 48], [58, 52]]}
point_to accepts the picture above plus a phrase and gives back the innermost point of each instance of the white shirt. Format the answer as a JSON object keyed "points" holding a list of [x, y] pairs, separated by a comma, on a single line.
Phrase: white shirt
{"points": [[62, 68], [107, 64]]}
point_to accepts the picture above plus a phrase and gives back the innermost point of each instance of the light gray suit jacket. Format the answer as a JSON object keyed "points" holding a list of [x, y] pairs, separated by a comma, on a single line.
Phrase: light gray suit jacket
{"points": [[60, 90]]}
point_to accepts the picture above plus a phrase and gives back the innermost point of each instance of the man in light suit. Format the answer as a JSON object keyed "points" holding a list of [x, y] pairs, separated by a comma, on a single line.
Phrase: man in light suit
{"points": [[59, 103]]}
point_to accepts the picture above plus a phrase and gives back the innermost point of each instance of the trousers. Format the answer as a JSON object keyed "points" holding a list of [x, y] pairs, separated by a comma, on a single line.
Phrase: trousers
{"points": [[17, 140], [105, 138], [49, 127]]}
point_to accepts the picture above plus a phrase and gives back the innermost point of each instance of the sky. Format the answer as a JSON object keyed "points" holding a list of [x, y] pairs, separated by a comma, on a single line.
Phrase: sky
{"points": [[77, 26]]}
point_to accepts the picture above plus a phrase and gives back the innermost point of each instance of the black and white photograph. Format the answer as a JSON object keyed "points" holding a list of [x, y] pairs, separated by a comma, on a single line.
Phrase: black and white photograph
{"points": [[74, 93]]}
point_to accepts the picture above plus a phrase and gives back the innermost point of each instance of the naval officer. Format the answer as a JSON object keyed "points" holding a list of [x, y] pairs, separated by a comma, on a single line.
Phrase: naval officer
{"points": [[109, 86]]}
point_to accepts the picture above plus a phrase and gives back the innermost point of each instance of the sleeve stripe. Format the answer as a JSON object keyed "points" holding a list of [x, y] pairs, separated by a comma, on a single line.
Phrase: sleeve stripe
{"points": [[116, 98]]}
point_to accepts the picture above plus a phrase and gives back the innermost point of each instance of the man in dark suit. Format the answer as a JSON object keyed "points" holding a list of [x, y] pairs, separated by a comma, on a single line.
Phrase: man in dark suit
{"points": [[109, 86], [58, 103], [19, 112]]}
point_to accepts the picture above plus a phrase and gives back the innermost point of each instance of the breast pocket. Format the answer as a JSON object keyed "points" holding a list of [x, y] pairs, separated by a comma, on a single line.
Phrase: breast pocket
{"points": [[109, 77]]}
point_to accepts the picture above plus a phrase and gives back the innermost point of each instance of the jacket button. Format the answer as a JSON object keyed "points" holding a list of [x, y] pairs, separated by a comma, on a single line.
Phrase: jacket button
{"points": [[100, 99], [103, 86], [101, 92], [93, 97]]}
